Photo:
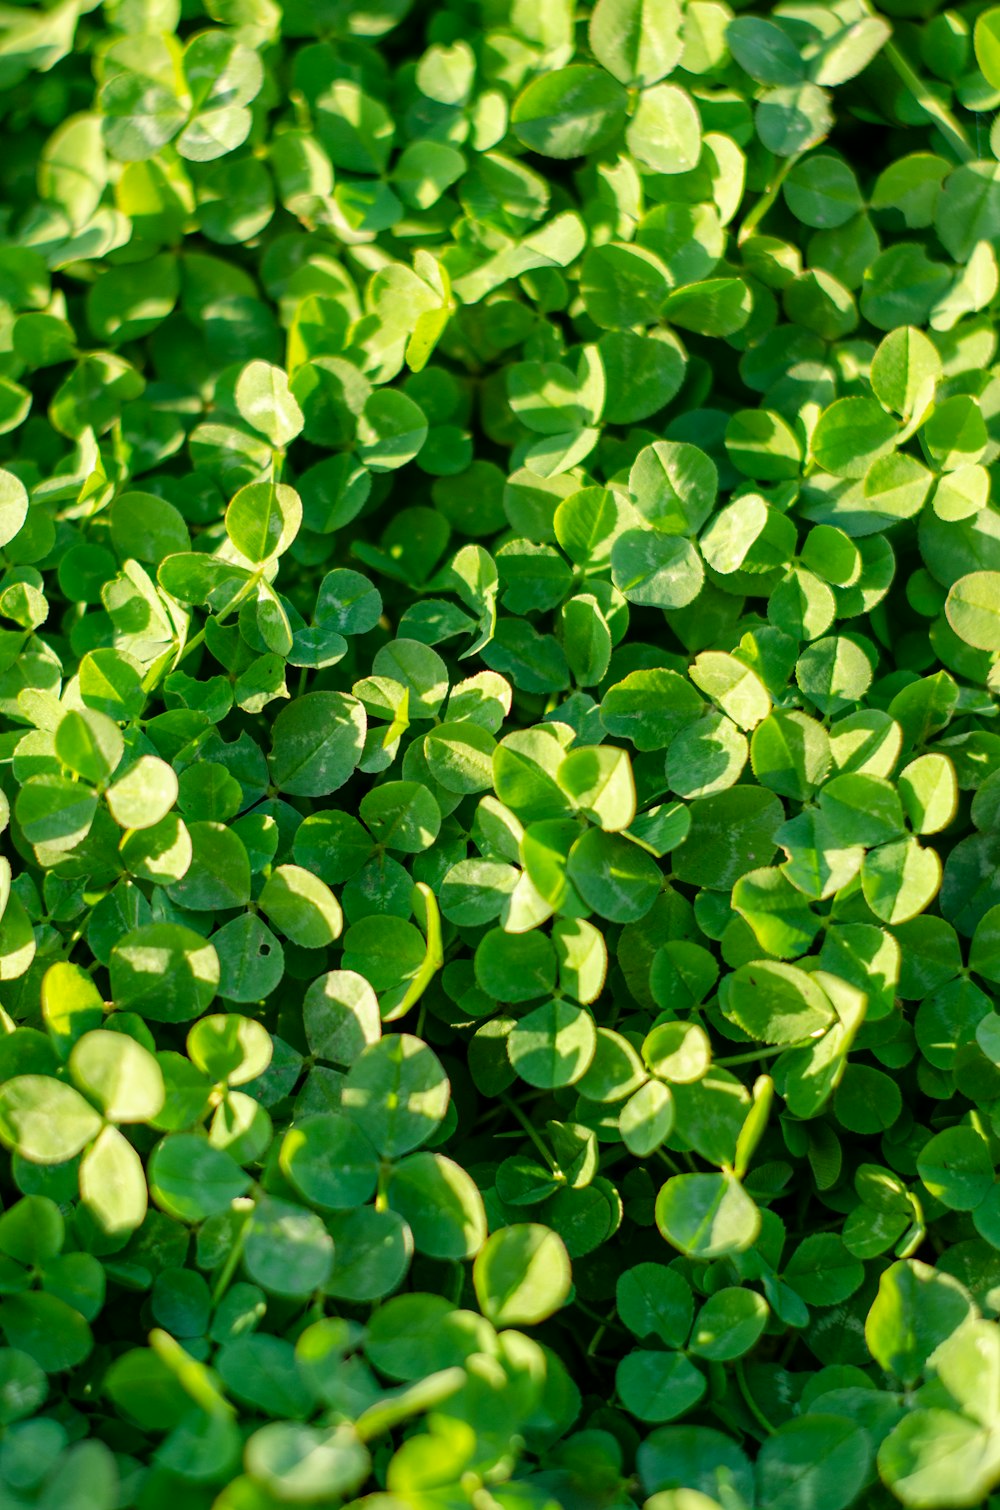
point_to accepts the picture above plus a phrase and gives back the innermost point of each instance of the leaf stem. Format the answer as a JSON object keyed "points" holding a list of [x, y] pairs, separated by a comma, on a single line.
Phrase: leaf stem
{"points": [[232, 1262], [750, 1402], [770, 1052], [766, 200], [197, 639], [382, 1191], [939, 114], [516, 1111], [433, 956]]}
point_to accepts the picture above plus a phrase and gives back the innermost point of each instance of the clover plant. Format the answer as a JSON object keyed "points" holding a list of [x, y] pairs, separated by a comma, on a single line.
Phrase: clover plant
{"points": [[499, 755]]}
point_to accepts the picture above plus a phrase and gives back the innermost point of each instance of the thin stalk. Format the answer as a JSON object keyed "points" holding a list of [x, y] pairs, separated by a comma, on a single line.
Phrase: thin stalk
{"points": [[771, 1052], [516, 1111], [232, 1262], [749, 1401], [766, 200], [150, 686], [382, 1190], [939, 114]]}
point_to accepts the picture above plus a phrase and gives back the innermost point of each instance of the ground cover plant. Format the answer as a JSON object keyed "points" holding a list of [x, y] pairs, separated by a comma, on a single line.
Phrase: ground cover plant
{"points": [[499, 674]]}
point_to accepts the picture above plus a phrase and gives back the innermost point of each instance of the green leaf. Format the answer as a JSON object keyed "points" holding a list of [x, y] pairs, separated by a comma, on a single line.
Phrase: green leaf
{"points": [[265, 401], [164, 971], [968, 209], [316, 742], [553, 1045], [929, 793], [650, 708], [288, 1251], [391, 431], [706, 1215], [599, 781], [647, 1118], [228, 1047], [301, 907], [614, 876], [790, 754], [900, 879], [218, 875], [330, 1162], [55, 813], [849, 50], [777, 911], [793, 117], [45, 1120], [987, 45], [71, 1004], [731, 833], [440, 1203], [729, 1325], [819, 1456], [119, 1075], [47, 1330], [905, 369], [397, 1093], [852, 434], [298, 1462], [521, 1275], [23, 1385], [655, 1301], [13, 506], [655, 570], [764, 51], [144, 795], [915, 1310], [822, 1270], [340, 1015], [677, 1052], [403, 815], [973, 609], [191, 1180], [664, 132], [372, 1252], [113, 1184], [263, 519], [658, 1386], [569, 111], [931, 1452], [822, 192], [777, 1003], [638, 41], [956, 1167]]}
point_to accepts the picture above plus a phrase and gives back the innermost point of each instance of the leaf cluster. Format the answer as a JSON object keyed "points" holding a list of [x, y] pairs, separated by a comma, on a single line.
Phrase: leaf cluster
{"points": [[499, 767]]}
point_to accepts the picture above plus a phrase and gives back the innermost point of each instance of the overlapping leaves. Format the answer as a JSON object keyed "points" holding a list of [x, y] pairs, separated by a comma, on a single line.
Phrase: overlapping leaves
{"points": [[499, 918]]}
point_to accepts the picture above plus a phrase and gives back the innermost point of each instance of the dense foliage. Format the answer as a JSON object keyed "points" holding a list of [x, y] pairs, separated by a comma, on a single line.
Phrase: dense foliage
{"points": [[499, 675]]}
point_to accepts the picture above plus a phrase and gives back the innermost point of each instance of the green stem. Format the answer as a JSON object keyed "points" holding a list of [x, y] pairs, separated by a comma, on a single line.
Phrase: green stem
{"points": [[750, 1402], [939, 114], [516, 1111], [382, 1191], [191, 644], [604, 1323], [434, 955], [197, 639], [769, 1053], [766, 200], [596, 1340], [232, 1262]]}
